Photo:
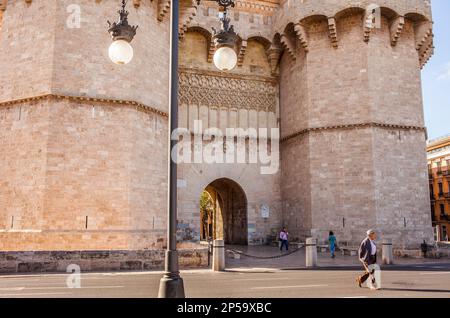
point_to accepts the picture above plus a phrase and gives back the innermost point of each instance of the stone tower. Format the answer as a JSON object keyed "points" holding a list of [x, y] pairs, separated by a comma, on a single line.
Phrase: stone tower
{"points": [[352, 119], [83, 142]]}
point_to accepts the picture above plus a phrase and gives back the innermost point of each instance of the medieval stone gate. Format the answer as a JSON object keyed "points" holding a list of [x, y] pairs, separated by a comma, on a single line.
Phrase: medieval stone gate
{"points": [[229, 221]]}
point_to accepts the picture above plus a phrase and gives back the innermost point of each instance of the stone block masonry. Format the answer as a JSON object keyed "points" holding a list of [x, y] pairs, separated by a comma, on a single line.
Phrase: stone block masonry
{"points": [[83, 142], [107, 260]]}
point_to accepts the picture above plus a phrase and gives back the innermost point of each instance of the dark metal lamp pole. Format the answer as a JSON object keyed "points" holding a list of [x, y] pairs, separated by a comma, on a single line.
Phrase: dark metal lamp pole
{"points": [[121, 52], [171, 284]]}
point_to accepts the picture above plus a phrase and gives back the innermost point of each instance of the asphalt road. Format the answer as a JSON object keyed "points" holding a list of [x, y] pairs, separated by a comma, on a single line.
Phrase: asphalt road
{"points": [[430, 280]]}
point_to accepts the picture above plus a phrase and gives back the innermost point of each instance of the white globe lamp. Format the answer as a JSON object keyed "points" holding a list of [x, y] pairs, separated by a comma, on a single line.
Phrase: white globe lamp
{"points": [[121, 52], [225, 58]]}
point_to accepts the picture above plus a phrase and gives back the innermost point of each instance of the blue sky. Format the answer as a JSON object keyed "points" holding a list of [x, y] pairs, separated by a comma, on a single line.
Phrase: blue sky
{"points": [[436, 74]]}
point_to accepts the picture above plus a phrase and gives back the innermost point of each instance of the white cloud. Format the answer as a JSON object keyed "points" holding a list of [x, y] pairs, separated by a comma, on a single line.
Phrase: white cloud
{"points": [[445, 75]]}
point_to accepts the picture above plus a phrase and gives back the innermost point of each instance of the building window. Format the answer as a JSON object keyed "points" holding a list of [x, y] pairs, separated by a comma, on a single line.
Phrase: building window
{"points": [[442, 209], [444, 233], [439, 166], [441, 189]]}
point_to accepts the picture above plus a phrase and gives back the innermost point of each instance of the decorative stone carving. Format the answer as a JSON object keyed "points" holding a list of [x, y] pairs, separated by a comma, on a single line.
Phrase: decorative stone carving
{"points": [[241, 54], [302, 35], [396, 29], [3, 4], [226, 92], [288, 45], [332, 31], [424, 41], [163, 8], [273, 55], [188, 10]]}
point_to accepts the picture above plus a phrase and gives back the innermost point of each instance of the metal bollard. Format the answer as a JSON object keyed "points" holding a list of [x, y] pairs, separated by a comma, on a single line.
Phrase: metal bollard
{"points": [[210, 250], [218, 255], [311, 252], [387, 254]]}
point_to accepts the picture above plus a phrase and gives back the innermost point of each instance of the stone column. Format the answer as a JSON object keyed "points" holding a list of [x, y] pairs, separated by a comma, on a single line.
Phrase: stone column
{"points": [[387, 254], [311, 252], [218, 255]]}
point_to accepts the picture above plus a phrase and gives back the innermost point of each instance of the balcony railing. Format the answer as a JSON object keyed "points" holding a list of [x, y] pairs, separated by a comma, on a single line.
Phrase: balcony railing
{"points": [[445, 217]]}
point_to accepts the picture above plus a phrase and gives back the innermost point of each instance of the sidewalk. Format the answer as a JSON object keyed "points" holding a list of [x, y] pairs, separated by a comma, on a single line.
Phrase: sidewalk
{"points": [[297, 259]]}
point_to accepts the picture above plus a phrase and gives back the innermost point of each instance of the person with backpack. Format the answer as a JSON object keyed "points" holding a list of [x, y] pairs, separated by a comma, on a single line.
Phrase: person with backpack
{"points": [[332, 243]]}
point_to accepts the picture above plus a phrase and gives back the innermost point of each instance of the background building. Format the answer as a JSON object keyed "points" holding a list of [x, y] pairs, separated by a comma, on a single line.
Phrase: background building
{"points": [[83, 142], [439, 175]]}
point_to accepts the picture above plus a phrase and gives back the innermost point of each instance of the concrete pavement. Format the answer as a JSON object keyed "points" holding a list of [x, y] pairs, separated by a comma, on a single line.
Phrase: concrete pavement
{"points": [[297, 259], [420, 280]]}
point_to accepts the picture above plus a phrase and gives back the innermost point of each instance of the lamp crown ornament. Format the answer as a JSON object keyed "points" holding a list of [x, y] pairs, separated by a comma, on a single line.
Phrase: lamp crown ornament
{"points": [[223, 3], [122, 30], [226, 36]]}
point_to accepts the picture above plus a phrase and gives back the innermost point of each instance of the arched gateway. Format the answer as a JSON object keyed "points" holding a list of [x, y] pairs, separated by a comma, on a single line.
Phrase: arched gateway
{"points": [[223, 212]]}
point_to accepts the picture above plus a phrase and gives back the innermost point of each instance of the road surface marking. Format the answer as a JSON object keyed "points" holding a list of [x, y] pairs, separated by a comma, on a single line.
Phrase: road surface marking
{"points": [[34, 294], [284, 287], [257, 279], [60, 274], [57, 287], [355, 297], [13, 288], [82, 287]]}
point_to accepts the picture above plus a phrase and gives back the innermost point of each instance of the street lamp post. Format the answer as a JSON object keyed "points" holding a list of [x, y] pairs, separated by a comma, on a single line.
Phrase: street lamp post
{"points": [[225, 59], [171, 285]]}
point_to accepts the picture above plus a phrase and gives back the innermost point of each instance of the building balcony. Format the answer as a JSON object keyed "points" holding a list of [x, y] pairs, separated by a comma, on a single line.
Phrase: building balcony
{"points": [[444, 217]]}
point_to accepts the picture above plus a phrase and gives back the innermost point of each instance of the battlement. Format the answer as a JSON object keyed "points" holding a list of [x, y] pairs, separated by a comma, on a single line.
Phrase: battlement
{"points": [[295, 17], [285, 25]]}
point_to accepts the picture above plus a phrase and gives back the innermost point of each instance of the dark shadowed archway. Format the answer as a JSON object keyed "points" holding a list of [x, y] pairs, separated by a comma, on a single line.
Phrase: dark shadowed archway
{"points": [[224, 215]]}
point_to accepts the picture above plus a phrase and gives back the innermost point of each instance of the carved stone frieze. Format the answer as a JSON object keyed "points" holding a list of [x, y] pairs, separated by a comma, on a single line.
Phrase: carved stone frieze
{"points": [[226, 92]]}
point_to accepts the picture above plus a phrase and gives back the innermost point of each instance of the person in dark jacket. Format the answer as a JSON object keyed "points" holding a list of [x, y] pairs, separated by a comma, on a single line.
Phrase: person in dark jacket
{"points": [[367, 255]]}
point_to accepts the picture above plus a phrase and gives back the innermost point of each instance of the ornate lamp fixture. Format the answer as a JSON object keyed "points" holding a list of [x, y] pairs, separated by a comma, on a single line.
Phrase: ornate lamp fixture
{"points": [[225, 40], [121, 51]]}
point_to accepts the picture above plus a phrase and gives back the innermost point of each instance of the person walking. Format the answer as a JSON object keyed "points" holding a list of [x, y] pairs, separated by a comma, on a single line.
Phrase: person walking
{"points": [[284, 239], [367, 256], [332, 243]]}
